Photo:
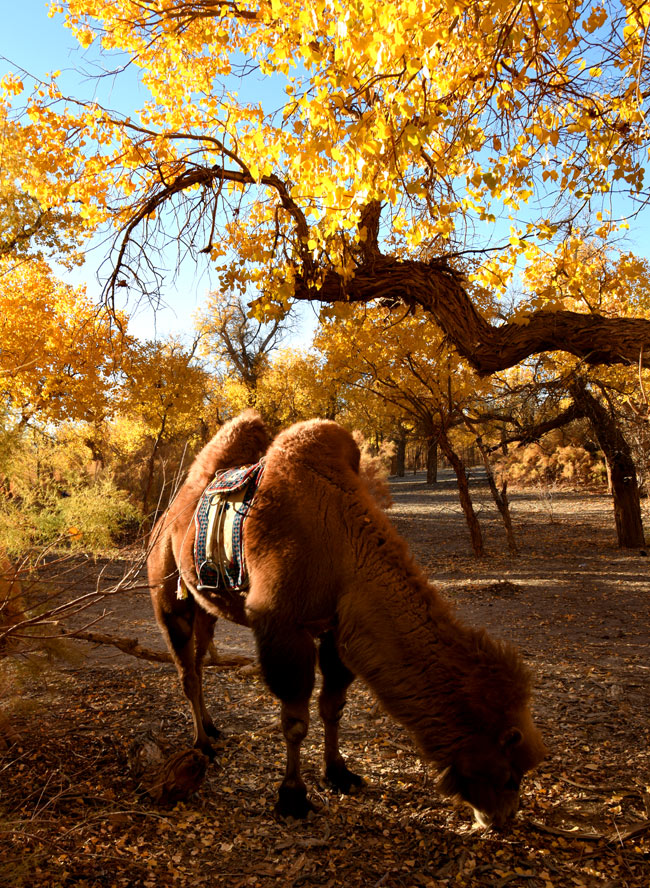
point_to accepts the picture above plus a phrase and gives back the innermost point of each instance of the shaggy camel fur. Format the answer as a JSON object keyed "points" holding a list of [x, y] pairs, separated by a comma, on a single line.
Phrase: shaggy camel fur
{"points": [[331, 578]]}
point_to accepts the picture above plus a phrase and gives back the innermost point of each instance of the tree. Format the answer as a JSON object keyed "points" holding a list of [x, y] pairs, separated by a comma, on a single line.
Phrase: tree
{"points": [[59, 351], [251, 368], [27, 227], [240, 344], [396, 363], [595, 278], [163, 395], [295, 386], [401, 131], [625, 488]]}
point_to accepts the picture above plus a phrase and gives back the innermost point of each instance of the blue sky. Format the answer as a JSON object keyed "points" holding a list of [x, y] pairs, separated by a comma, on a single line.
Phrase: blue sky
{"points": [[32, 41], [37, 44]]}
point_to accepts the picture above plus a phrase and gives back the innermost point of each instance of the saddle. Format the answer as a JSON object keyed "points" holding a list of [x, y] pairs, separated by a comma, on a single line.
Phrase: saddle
{"points": [[219, 519]]}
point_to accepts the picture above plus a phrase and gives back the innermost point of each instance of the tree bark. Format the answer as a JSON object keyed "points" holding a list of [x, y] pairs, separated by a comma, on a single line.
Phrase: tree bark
{"points": [[400, 455], [432, 461], [463, 492], [435, 286], [534, 433], [440, 291], [500, 497], [625, 488], [151, 467]]}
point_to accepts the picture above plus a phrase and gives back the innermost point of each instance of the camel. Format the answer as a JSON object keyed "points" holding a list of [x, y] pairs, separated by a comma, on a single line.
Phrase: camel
{"points": [[331, 581]]}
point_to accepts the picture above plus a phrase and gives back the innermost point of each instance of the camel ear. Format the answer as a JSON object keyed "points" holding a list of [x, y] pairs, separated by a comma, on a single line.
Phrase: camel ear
{"points": [[511, 738]]}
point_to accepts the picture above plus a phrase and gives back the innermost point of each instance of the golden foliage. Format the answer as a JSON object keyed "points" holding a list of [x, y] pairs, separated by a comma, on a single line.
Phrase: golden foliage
{"points": [[162, 392], [544, 464], [29, 227], [449, 116], [407, 364], [59, 350]]}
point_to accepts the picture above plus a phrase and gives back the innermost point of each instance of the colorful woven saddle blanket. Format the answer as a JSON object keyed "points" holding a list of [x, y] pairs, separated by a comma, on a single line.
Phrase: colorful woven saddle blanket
{"points": [[219, 518]]}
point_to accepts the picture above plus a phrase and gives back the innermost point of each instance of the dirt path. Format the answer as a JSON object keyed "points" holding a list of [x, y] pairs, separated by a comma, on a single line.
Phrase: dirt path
{"points": [[574, 604]]}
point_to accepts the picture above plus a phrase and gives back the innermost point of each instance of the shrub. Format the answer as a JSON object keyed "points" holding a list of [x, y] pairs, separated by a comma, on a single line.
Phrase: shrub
{"points": [[534, 465], [89, 516], [51, 494], [48, 501], [95, 516]]}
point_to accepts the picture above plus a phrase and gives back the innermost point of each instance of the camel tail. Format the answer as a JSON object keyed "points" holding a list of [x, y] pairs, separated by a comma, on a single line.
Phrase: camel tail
{"points": [[241, 441]]}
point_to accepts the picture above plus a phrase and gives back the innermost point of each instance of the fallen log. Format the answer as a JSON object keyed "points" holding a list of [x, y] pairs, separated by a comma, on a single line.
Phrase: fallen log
{"points": [[133, 647]]}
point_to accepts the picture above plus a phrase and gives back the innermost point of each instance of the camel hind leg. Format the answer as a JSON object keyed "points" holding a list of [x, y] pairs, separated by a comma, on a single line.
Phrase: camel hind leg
{"points": [[336, 680], [188, 631]]}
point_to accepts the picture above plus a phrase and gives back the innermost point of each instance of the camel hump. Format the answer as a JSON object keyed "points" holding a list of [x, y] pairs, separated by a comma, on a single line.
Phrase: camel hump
{"points": [[240, 441], [320, 443]]}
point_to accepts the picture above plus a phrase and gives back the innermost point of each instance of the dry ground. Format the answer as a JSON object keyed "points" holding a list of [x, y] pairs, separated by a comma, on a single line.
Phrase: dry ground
{"points": [[71, 815]]}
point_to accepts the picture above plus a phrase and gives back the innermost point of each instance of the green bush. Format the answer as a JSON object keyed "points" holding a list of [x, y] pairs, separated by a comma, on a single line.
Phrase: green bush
{"points": [[94, 517], [51, 494], [89, 516]]}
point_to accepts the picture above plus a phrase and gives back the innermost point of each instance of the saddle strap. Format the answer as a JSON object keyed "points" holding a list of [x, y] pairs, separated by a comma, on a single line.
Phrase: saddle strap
{"points": [[219, 539]]}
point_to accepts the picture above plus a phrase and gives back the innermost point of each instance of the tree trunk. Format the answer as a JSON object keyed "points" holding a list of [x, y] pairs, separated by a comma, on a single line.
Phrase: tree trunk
{"points": [[432, 461], [399, 460], [151, 468], [500, 497], [149, 480], [625, 488], [434, 285], [463, 491]]}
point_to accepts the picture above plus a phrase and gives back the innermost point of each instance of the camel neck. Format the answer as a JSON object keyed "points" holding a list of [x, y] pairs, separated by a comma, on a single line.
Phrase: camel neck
{"points": [[434, 675]]}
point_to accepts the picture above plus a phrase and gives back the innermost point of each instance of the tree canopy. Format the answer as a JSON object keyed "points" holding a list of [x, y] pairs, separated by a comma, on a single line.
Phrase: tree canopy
{"points": [[408, 154], [59, 352], [30, 227]]}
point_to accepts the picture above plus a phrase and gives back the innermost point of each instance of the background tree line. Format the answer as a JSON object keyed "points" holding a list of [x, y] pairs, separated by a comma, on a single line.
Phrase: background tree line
{"points": [[452, 186]]}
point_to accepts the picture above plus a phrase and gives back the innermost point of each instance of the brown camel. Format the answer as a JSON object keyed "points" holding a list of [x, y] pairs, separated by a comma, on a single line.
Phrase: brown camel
{"points": [[330, 579]]}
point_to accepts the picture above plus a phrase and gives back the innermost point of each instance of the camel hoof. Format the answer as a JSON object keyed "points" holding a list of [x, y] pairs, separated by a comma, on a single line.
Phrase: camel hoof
{"points": [[206, 748], [214, 732], [293, 802], [343, 779]]}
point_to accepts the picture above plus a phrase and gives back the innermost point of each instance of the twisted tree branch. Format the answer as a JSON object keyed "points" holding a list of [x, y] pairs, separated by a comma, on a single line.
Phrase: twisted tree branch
{"points": [[440, 291]]}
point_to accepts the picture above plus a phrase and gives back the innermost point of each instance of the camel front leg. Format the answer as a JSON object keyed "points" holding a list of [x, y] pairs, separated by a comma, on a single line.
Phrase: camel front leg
{"points": [[292, 793], [204, 624], [336, 680], [179, 631], [287, 657]]}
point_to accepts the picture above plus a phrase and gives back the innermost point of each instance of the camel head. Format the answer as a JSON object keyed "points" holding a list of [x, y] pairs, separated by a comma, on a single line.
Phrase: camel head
{"points": [[486, 773]]}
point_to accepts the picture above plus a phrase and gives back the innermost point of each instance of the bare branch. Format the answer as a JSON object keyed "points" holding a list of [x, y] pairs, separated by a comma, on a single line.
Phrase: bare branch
{"points": [[207, 176], [535, 432]]}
